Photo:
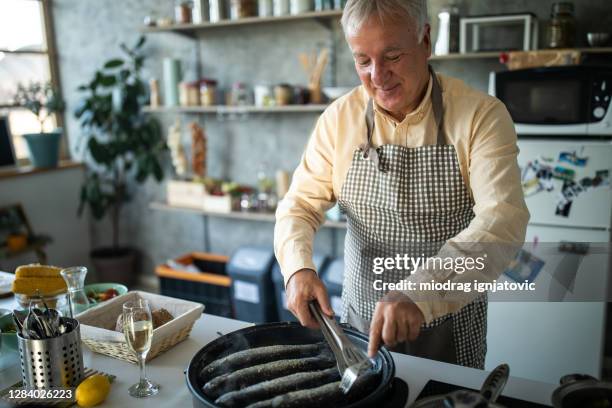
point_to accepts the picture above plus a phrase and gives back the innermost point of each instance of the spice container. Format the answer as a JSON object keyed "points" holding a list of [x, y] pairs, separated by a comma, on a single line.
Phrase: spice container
{"points": [[200, 11], [283, 94], [263, 95], [300, 6], [189, 94], [265, 8], [208, 91], [154, 99], [242, 9], [281, 7], [216, 10], [561, 30], [320, 5], [239, 95], [182, 11]]}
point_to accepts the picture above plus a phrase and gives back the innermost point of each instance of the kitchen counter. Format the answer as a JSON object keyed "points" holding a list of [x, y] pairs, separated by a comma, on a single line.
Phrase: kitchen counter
{"points": [[167, 370]]}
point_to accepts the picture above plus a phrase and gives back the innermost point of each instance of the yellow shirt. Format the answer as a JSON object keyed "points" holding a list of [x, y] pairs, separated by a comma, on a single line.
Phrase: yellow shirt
{"points": [[478, 125]]}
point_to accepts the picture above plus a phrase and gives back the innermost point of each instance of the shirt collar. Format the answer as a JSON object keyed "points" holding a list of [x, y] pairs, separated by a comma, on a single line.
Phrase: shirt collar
{"points": [[416, 115]]}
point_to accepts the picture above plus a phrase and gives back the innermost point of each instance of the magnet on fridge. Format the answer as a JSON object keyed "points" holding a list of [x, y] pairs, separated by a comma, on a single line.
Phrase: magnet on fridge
{"points": [[525, 267], [572, 158], [563, 173]]}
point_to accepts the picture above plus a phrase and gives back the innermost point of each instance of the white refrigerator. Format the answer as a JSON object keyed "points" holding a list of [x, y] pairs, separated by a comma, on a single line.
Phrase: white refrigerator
{"points": [[559, 328]]}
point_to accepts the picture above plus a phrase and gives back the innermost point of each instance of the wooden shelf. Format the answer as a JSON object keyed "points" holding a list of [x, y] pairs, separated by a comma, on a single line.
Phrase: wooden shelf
{"points": [[235, 215], [193, 29], [221, 109], [17, 171], [495, 54]]}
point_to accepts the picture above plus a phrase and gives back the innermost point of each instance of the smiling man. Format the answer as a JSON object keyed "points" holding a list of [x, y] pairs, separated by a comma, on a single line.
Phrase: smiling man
{"points": [[419, 163]]}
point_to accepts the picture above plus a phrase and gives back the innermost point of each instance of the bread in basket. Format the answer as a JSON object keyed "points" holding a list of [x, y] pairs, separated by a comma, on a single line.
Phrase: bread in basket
{"points": [[98, 325]]}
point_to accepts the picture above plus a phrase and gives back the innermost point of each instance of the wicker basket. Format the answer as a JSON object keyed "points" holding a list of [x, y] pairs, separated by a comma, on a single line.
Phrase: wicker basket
{"points": [[98, 325]]}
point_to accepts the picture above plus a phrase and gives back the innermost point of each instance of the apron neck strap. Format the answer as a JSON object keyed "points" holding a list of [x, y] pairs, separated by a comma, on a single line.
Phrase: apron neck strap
{"points": [[437, 106]]}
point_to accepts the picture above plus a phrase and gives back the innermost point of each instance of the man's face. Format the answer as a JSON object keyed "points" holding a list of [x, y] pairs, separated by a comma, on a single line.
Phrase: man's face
{"points": [[391, 63]]}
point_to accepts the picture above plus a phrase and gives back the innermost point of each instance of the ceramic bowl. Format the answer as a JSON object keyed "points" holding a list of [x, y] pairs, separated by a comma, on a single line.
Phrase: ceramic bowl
{"points": [[103, 287]]}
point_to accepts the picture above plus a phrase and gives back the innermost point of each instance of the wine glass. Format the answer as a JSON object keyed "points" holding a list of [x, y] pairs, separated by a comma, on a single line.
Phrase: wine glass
{"points": [[138, 331]]}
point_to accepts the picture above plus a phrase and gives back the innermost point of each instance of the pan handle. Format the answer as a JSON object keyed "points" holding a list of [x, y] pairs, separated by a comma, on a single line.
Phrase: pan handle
{"points": [[495, 382]]}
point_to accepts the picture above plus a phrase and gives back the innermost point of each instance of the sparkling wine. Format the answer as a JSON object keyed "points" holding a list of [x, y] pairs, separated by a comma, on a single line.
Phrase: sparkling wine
{"points": [[138, 335]]}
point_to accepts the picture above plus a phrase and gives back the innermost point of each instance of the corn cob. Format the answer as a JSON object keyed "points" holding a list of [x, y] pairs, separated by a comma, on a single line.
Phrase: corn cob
{"points": [[46, 286], [38, 271]]}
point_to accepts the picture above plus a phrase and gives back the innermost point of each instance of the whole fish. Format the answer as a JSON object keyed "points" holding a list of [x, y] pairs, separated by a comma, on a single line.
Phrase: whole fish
{"points": [[258, 355], [278, 386], [324, 396], [262, 372]]}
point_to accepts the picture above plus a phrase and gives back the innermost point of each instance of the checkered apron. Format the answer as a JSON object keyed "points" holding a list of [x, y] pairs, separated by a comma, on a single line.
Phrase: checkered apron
{"points": [[401, 200]]}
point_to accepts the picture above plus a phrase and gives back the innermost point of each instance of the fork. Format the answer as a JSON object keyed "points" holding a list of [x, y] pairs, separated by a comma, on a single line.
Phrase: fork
{"points": [[352, 361]]}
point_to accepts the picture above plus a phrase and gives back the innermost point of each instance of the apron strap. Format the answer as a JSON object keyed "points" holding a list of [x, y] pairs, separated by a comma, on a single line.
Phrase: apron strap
{"points": [[438, 110], [438, 107], [369, 117]]}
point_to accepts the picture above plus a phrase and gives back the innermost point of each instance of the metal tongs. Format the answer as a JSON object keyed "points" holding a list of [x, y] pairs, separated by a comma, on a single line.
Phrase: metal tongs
{"points": [[352, 361]]}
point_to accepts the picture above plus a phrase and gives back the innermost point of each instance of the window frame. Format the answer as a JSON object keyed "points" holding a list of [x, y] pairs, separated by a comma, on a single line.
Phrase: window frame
{"points": [[51, 52]]}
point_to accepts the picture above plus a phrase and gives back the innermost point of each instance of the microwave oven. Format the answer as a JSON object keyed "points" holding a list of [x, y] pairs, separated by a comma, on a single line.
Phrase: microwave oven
{"points": [[564, 100]]}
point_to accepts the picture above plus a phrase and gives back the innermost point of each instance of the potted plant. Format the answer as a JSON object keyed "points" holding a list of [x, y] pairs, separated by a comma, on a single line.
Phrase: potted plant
{"points": [[123, 145], [43, 100]]}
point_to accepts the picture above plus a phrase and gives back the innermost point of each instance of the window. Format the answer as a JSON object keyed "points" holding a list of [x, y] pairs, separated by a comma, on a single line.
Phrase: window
{"points": [[27, 54]]}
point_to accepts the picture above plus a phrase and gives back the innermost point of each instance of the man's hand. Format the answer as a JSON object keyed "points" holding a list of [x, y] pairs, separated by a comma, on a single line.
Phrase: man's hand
{"points": [[396, 319], [303, 287]]}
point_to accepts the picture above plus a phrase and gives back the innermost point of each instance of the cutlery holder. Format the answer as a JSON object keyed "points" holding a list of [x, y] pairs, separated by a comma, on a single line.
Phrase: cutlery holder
{"points": [[54, 362]]}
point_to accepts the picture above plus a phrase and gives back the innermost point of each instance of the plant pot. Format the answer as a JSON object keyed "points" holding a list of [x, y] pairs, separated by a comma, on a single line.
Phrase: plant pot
{"points": [[115, 265], [44, 148]]}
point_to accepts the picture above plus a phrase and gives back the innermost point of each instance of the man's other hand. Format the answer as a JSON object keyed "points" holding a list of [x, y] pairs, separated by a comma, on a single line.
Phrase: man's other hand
{"points": [[396, 319]]}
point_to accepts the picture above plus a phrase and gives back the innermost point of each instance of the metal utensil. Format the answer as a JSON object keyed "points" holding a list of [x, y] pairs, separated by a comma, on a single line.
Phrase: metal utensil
{"points": [[352, 361]]}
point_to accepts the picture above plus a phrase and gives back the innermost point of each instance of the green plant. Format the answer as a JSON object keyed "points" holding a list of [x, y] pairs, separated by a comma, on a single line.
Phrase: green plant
{"points": [[40, 98], [124, 143]]}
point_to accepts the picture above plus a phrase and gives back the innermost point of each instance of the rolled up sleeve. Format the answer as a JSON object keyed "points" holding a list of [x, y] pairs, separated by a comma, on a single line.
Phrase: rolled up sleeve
{"points": [[302, 210]]}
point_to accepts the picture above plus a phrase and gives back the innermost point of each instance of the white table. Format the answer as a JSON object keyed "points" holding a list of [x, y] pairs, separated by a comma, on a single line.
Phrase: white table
{"points": [[168, 370]]}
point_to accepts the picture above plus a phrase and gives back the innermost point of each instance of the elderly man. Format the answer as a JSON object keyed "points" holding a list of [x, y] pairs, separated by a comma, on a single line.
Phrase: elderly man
{"points": [[420, 164]]}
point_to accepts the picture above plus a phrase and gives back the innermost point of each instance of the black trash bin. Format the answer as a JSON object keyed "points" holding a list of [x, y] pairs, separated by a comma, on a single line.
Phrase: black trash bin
{"points": [[252, 287], [279, 284], [332, 277]]}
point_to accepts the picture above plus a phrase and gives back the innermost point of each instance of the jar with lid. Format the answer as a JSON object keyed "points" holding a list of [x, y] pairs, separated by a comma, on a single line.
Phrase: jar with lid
{"points": [[239, 95], [283, 94], [300, 6], [242, 9], [561, 30], [208, 91], [182, 11], [281, 7]]}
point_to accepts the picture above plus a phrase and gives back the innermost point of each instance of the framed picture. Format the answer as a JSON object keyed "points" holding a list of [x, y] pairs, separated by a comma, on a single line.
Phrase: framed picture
{"points": [[7, 152]]}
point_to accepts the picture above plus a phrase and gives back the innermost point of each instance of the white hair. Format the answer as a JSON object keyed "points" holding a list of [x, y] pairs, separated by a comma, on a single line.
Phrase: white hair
{"points": [[356, 12]]}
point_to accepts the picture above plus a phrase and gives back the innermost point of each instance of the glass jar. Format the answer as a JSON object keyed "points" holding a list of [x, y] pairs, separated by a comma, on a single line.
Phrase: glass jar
{"points": [[242, 9], [208, 91], [283, 94], [75, 280], [182, 11], [281, 7], [265, 8], [561, 30], [300, 6], [239, 95]]}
